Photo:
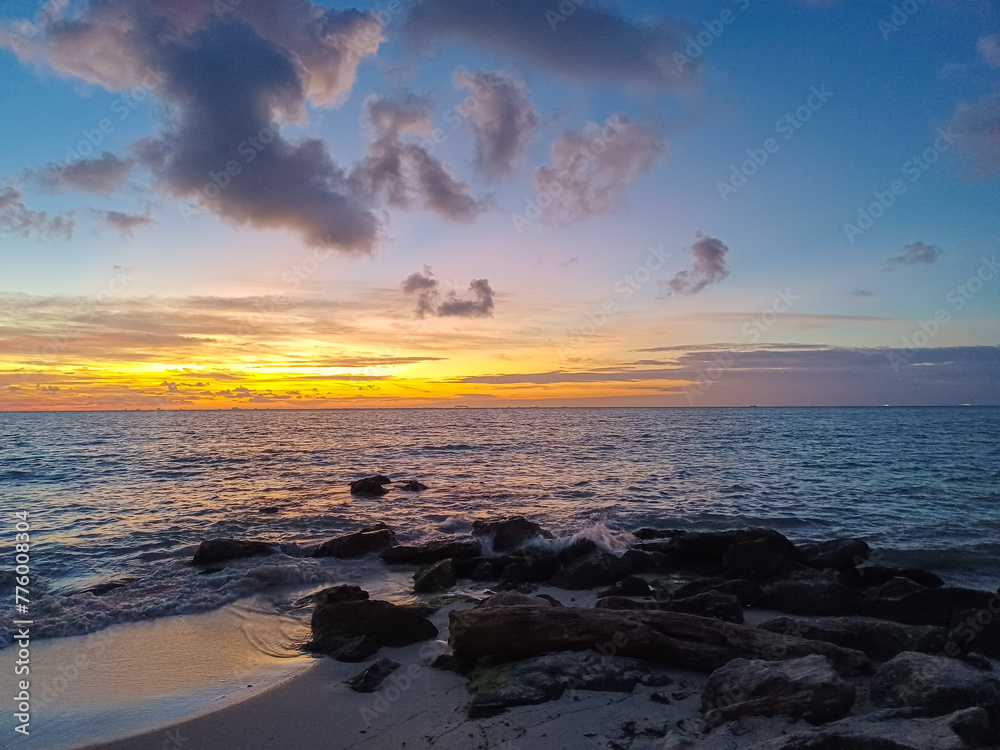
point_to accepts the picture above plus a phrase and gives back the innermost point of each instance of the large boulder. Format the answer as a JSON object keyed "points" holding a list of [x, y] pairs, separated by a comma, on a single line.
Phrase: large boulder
{"points": [[880, 639], [641, 561], [357, 544], [382, 622], [437, 577], [509, 533], [455, 548], [799, 597], [805, 688], [769, 557], [747, 592], [838, 554], [935, 684], [589, 572], [333, 594], [213, 551], [370, 486]]}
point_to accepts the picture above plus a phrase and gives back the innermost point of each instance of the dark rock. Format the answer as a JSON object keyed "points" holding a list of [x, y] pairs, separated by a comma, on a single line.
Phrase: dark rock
{"points": [[368, 486], [413, 486], [380, 479], [767, 558], [513, 599], [350, 649], [747, 592], [628, 586], [880, 639], [269, 509], [876, 575], [452, 663], [550, 599], [368, 680], [485, 570], [974, 728], [935, 684], [383, 622], [437, 577], [646, 534], [334, 594], [455, 548], [589, 572], [895, 588], [220, 550], [705, 546], [357, 544], [106, 588], [943, 606], [806, 688], [620, 602], [708, 604], [640, 561], [210, 571], [838, 554], [809, 598], [575, 550], [545, 678], [532, 570], [509, 533], [681, 640], [979, 630]]}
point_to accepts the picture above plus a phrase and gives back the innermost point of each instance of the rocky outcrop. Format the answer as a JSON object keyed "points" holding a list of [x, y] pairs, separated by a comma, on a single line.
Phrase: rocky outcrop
{"points": [[674, 638], [213, 551], [798, 597], [368, 680], [370, 485], [360, 543], [437, 577], [455, 548], [545, 678], [879, 639], [589, 572], [384, 623], [838, 554], [509, 533], [806, 688]]}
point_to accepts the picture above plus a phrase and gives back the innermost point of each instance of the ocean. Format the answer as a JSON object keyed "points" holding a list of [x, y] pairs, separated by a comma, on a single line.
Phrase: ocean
{"points": [[125, 497]]}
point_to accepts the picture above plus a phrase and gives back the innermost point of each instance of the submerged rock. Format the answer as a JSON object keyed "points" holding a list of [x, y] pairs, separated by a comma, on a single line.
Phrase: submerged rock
{"points": [[383, 622], [509, 533], [806, 688], [880, 639], [368, 680], [413, 486], [437, 577], [357, 544], [455, 548], [370, 486], [220, 550]]}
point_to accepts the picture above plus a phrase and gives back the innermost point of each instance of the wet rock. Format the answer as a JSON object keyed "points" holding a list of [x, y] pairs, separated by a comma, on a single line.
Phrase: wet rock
{"points": [[413, 486], [943, 606], [640, 561], [334, 594], [383, 622], [767, 558], [628, 586], [107, 587], [838, 554], [876, 575], [369, 486], [368, 680], [880, 639], [455, 548], [545, 678], [747, 592], [694, 547], [509, 533], [513, 599], [357, 544], [532, 570], [345, 648], [589, 572], [807, 688], [810, 598], [646, 534], [575, 550], [437, 577], [708, 604], [220, 550], [935, 684]]}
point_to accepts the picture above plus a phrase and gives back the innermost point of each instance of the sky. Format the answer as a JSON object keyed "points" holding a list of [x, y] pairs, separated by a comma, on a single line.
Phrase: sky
{"points": [[209, 204]]}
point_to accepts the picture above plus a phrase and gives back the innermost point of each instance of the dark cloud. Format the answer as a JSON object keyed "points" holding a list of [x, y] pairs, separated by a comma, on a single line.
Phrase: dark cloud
{"points": [[19, 221], [404, 173], [915, 253], [501, 118], [977, 125], [590, 44], [124, 223], [105, 174], [592, 168], [709, 267], [427, 291]]}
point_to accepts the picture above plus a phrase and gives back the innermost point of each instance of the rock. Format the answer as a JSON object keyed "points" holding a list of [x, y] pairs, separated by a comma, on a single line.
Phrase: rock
{"points": [[621, 602], [805, 688], [424, 554], [334, 594], [810, 598], [269, 509], [895, 588], [357, 544], [979, 630], [589, 572], [646, 534], [351, 649], [747, 592], [767, 558], [876, 575], [575, 550], [368, 680], [532, 570], [973, 726], [380, 479], [936, 684], [438, 577], [369, 486], [943, 606], [708, 604], [628, 586], [452, 663], [545, 678], [880, 639], [677, 639], [705, 546], [838, 554], [383, 622], [509, 533], [639, 561], [413, 486], [220, 550], [513, 599]]}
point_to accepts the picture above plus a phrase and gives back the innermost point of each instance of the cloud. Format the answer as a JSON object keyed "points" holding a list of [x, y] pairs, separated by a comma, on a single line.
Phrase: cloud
{"points": [[989, 49], [915, 253], [427, 291], [589, 44], [501, 118], [403, 173], [977, 125], [124, 223], [593, 168], [862, 293], [105, 174], [229, 81], [19, 221], [709, 267]]}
